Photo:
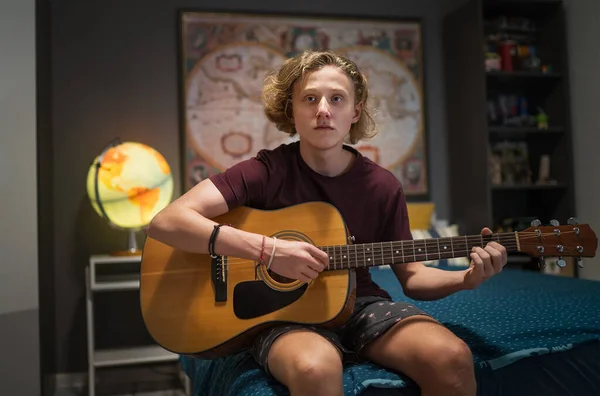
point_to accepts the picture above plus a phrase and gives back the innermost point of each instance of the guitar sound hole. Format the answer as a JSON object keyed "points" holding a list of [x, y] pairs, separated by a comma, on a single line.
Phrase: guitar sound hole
{"points": [[279, 278]]}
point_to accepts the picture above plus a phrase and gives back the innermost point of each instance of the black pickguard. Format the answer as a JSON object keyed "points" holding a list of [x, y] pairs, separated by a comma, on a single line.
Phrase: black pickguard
{"points": [[252, 299]]}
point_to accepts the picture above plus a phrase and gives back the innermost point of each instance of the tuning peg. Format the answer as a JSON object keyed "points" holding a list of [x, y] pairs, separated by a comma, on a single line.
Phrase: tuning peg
{"points": [[554, 222], [561, 263], [536, 223], [573, 220]]}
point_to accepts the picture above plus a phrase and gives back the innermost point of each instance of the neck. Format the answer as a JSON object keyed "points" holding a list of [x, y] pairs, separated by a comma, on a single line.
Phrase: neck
{"points": [[399, 252], [330, 162]]}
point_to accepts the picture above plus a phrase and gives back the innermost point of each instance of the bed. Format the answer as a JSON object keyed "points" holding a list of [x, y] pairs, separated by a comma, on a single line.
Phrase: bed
{"points": [[530, 333]]}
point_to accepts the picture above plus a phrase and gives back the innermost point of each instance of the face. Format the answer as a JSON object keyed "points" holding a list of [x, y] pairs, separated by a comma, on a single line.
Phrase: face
{"points": [[323, 108]]}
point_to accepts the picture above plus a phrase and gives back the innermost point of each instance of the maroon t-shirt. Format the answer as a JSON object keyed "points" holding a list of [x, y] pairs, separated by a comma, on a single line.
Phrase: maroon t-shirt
{"points": [[369, 197]]}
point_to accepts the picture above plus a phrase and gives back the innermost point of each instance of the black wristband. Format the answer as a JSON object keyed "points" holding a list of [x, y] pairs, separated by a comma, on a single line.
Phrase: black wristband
{"points": [[213, 238]]}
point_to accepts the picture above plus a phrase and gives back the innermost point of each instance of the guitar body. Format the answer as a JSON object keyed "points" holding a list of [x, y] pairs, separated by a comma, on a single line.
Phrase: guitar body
{"points": [[179, 291]]}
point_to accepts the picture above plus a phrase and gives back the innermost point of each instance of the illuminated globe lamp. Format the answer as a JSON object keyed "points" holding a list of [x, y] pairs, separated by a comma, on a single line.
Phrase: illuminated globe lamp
{"points": [[128, 184]]}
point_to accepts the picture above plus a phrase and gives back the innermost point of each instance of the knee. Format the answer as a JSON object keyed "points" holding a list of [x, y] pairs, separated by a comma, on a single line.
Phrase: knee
{"points": [[452, 363], [316, 368], [455, 356]]}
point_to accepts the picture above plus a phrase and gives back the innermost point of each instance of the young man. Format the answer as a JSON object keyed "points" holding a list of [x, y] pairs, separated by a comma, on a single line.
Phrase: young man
{"points": [[323, 98]]}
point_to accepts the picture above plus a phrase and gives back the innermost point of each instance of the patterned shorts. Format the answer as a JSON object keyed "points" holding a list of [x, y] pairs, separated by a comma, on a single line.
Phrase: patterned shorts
{"points": [[372, 316]]}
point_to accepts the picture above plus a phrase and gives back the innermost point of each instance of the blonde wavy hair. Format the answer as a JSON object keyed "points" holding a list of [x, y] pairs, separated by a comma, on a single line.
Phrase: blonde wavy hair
{"points": [[279, 86]]}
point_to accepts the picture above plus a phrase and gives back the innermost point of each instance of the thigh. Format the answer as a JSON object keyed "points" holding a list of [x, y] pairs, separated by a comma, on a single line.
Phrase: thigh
{"points": [[421, 348], [372, 317]]}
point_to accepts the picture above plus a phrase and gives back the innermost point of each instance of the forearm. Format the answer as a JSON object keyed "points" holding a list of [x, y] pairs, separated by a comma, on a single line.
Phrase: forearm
{"points": [[185, 229], [428, 283]]}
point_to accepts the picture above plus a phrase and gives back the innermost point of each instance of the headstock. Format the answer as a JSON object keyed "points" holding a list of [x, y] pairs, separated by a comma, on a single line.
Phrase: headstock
{"points": [[572, 240]]}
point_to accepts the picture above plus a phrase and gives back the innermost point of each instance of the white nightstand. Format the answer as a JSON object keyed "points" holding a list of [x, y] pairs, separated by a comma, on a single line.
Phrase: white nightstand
{"points": [[107, 273]]}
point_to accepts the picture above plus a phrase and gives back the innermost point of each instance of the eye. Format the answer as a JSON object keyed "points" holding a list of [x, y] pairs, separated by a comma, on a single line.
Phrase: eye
{"points": [[310, 98], [336, 98]]}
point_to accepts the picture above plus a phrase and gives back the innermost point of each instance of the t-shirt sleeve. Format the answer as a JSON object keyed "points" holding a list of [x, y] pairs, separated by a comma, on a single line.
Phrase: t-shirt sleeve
{"points": [[245, 183], [397, 224]]}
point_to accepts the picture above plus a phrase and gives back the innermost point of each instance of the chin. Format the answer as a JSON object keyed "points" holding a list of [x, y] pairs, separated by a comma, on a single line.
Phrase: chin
{"points": [[325, 144]]}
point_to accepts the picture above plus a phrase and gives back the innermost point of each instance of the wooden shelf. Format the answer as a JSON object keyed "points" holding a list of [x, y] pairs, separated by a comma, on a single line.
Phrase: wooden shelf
{"points": [[504, 132], [494, 27], [470, 90], [520, 74], [135, 355]]}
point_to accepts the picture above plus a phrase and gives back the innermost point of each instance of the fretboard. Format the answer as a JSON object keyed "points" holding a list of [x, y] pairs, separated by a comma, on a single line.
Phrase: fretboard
{"points": [[386, 253]]}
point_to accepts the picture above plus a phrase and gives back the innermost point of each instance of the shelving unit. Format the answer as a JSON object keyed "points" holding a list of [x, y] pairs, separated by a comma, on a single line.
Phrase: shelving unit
{"points": [[107, 273], [480, 116]]}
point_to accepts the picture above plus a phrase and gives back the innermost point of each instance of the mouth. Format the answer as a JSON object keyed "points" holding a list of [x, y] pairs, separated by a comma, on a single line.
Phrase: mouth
{"points": [[324, 128]]}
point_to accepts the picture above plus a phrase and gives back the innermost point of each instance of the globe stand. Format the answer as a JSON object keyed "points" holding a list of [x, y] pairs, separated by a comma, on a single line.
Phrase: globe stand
{"points": [[132, 249]]}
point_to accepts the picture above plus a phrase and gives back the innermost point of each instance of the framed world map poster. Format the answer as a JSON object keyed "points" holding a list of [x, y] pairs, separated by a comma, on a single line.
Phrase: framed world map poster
{"points": [[225, 58]]}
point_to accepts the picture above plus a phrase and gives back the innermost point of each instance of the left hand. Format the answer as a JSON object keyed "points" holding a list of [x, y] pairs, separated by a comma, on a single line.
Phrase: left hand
{"points": [[485, 262]]}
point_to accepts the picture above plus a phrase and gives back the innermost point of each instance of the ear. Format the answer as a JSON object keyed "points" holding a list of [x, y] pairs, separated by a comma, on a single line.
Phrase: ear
{"points": [[357, 112]]}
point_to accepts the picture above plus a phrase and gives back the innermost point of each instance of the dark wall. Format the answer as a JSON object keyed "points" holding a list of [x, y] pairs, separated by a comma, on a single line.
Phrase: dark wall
{"points": [[115, 74]]}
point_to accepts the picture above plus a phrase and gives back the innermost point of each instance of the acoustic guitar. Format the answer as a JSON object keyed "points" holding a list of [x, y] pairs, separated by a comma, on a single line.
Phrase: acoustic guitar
{"points": [[197, 305]]}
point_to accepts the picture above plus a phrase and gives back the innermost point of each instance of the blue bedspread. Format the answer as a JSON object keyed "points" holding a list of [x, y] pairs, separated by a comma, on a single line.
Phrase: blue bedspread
{"points": [[513, 315]]}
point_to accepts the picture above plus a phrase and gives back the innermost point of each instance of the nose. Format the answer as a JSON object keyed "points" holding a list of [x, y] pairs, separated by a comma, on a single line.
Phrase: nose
{"points": [[323, 109]]}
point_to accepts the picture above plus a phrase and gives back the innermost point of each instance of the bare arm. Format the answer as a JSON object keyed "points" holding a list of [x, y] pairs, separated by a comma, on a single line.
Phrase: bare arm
{"points": [[426, 283], [186, 225]]}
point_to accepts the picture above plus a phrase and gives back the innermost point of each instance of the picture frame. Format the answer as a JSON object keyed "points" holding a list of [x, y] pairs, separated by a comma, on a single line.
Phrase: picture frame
{"points": [[224, 57]]}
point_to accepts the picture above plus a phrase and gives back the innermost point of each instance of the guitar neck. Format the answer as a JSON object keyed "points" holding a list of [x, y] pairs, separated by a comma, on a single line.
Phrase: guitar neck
{"points": [[399, 252]]}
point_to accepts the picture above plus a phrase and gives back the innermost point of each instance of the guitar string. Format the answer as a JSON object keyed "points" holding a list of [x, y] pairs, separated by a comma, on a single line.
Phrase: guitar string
{"points": [[511, 243], [355, 261], [410, 251]]}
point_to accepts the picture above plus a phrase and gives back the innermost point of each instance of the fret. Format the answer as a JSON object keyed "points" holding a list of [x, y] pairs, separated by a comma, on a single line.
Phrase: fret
{"points": [[445, 253], [364, 257], [430, 249], [328, 251], [460, 248], [347, 256], [402, 250], [342, 257], [418, 246], [334, 259]]}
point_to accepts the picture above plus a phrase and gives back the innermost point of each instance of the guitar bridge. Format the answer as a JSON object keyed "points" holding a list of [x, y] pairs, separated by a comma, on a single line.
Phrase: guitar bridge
{"points": [[219, 277]]}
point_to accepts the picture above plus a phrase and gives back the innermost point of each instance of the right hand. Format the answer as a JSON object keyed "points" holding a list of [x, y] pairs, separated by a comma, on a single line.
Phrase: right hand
{"points": [[297, 260]]}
